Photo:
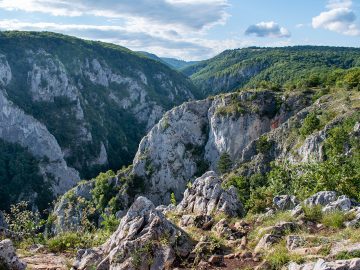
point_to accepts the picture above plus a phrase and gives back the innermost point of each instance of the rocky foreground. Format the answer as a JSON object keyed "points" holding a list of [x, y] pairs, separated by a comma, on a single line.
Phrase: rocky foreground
{"points": [[206, 230]]}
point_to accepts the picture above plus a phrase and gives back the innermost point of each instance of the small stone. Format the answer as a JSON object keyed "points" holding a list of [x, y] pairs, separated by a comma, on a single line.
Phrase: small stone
{"points": [[229, 256], [217, 260]]}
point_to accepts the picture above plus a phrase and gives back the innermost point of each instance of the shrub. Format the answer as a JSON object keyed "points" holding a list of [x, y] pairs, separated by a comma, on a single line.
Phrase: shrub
{"points": [[280, 256], [21, 220], [72, 241], [225, 163], [334, 219], [103, 191], [263, 145], [241, 184], [110, 223], [172, 198], [313, 213], [311, 123]]}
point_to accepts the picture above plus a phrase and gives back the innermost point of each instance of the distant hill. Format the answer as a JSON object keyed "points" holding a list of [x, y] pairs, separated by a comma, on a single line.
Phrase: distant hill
{"points": [[171, 62]]}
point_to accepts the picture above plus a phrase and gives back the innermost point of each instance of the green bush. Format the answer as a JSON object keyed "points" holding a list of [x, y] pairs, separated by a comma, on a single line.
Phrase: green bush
{"points": [[313, 213], [104, 192], [110, 223], [72, 241], [311, 123], [263, 145]]}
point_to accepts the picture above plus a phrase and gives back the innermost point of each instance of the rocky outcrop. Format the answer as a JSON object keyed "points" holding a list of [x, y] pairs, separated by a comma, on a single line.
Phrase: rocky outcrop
{"points": [[285, 202], [191, 138], [143, 240], [206, 196], [8, 257]]}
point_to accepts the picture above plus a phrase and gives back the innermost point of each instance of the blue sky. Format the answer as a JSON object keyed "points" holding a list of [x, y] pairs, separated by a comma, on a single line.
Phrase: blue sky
{"points": [[191, 29]]}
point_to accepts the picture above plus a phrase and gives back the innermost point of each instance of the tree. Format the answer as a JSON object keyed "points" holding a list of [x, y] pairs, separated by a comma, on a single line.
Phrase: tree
{"points": [[225, 163], [172, 198]]}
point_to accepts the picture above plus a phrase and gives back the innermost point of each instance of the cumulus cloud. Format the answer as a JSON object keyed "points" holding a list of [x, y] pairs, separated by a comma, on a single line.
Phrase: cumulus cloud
{"points": [[268, 29], [338, 18]]}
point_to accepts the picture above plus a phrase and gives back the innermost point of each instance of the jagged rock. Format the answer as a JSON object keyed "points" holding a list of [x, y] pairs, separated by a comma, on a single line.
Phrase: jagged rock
{"points": [[207, 197], [3, 223], [8, 257], [321, 198], [203, 222], [280, 228], [223, 230], [343, 203], [294, 241], [297, 211], [355, 222], [285, 202], [353, 264], [344, 247], [67, 213], [192, 137], [187, 220], [143, 240], [217, 260], [266, 242], [166, 208]]}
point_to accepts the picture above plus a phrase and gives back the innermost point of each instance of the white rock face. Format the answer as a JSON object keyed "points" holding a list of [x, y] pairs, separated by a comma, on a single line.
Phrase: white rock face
{"points": [[17, 127], [163, 156], [48, 78], [207, 197], [189, 140], [5, 71]]}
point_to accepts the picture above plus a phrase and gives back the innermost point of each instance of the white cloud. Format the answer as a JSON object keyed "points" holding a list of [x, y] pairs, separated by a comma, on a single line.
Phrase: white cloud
{"points": [[194, 15], [338, 18], [268, 29]]}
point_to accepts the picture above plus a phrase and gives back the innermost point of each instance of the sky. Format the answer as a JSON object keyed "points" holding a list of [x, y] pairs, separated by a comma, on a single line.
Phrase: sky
{"points": [[191, 29]]}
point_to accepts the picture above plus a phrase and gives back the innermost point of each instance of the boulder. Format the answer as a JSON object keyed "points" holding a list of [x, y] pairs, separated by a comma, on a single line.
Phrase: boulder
{"points": [[206, 196], [280, 228], [355, 222], [223, 230], [343, 203], [266, 242], [8, 257], [353, 264], [321, 198], [145, 239], [285, 202]]}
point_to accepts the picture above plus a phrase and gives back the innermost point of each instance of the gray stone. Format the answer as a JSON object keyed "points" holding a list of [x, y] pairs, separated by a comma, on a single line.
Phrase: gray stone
{"points": [[207, 197], [143, 233], [8, 257], [285, 202], [321, 198], [266, 242], [343, 203]]}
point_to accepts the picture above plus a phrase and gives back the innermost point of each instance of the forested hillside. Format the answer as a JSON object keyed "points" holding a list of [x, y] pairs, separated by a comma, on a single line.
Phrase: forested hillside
{"points": [[275, 68]]}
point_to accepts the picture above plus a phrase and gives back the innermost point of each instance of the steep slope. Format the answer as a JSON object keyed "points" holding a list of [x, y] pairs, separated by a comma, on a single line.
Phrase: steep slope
{"points": [[292, 67], [78, 106]]}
